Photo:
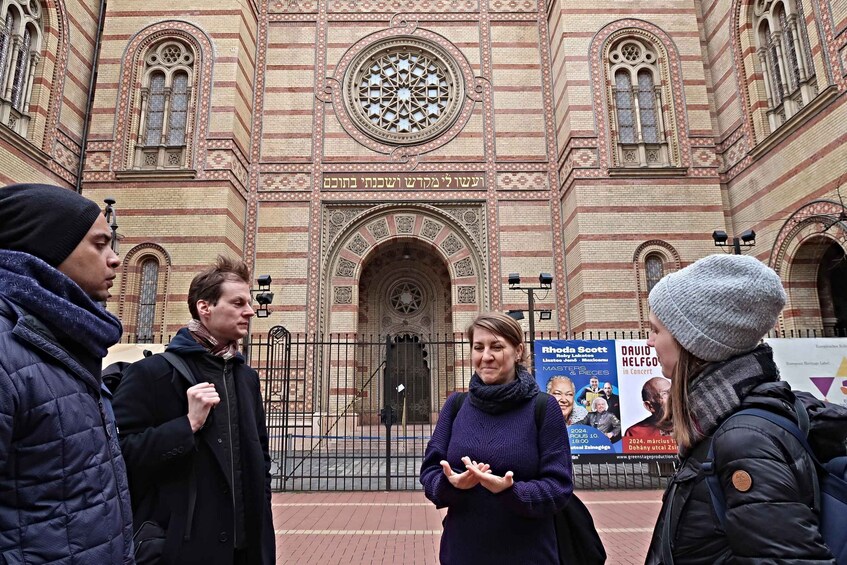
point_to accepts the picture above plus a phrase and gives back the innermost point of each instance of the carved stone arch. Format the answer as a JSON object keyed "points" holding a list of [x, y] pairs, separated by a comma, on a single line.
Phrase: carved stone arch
{"points": [[670, 258], [131, 284], [388, 224], [670, 69], [129, 93], [798, 247]]}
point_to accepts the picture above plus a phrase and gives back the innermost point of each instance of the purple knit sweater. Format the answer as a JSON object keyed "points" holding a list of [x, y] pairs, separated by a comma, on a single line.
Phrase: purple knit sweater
{"points": [[516, 525]]}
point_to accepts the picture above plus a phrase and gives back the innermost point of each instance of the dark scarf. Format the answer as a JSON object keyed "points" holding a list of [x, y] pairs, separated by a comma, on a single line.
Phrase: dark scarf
{"points": [[718, 391], [496, 399], [202, 336], [58, 303]]}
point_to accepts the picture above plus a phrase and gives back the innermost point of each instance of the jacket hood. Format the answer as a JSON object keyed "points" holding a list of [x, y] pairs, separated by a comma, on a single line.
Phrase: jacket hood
{"points": [[184, 344]]}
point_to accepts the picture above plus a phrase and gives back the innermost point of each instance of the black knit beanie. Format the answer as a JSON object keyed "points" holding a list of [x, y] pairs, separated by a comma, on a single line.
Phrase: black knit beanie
{"points": [[45, 221]]}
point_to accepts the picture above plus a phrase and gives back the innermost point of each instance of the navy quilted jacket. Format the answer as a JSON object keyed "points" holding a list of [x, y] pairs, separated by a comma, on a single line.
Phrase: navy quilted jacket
{"points": [[63, 489]]}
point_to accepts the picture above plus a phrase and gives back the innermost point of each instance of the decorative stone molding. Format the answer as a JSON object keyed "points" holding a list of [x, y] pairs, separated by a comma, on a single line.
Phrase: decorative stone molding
{"points": [[345, 268], [466, 294], [343, 295]]}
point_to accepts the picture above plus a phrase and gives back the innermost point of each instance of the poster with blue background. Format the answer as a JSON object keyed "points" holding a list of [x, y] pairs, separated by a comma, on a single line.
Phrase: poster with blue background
{"points": [[590, 366]]}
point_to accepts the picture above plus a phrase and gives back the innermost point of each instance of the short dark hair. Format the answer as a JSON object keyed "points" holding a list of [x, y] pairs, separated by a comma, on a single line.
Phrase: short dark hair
{"points": [[207, 284]]}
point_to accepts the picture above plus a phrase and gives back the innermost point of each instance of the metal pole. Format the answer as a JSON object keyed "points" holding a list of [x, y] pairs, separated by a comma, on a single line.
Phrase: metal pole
{"points": [[531, 294], [736, 246]]}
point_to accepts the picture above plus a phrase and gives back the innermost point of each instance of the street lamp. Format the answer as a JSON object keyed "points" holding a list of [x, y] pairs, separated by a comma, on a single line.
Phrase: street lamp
{"points": [[263, 295], [747, 239], [112, 219], [545, 282]]}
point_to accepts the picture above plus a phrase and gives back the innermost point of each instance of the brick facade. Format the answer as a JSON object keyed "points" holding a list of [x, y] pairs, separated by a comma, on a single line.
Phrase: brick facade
{"points": [[527, 178]]}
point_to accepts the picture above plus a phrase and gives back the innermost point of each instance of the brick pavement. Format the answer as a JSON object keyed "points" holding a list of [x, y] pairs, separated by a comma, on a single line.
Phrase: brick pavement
{"points": [[357, 528]]}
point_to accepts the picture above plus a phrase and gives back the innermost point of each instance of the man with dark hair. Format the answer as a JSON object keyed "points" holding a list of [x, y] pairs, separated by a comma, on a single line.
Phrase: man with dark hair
{"points": [[193, 433], [63, 486], [588, 394], [612, 399], [654, 393]]}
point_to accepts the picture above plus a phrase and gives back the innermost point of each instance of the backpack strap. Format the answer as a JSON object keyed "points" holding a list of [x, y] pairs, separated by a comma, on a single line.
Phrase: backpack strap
{"points": [[181, 367], [540, 409], [712, 481], [179, 364]]}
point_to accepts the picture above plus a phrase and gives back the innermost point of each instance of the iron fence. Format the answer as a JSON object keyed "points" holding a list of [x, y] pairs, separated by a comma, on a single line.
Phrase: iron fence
{"points": [[338, 418]]}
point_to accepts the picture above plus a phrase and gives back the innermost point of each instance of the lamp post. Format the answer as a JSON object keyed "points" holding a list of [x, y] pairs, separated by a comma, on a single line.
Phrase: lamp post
{"points": [[545, 282], [264, 297], [747, 239], [112, 219]]}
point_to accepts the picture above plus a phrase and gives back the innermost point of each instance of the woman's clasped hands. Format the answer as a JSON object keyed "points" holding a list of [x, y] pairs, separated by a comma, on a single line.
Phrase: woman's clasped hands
{"points": [[477, 474]]}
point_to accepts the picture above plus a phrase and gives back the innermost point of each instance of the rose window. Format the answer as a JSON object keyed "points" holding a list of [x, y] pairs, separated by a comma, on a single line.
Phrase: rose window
{"points": [[403, 91], [406, 297]]}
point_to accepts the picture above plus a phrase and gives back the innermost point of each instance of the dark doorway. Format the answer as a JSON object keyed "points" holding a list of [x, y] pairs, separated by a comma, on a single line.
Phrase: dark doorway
{"points": [[832, 290], [407, 366]]}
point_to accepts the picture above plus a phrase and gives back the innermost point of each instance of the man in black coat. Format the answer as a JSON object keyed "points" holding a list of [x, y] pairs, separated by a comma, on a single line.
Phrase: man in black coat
{"points": [[197, 448]]}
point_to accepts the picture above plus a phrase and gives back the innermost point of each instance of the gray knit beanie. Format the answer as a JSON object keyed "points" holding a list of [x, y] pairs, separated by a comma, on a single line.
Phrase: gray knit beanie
{"points": [[719, 306], [45, 221]]}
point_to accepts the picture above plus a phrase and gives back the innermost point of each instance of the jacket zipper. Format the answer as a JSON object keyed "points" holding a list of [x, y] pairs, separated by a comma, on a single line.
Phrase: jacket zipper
{"points": [[231, 459], [105, 422]]}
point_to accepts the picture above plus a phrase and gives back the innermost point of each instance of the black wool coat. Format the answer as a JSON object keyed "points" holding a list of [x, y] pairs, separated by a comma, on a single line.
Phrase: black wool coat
{"points": [[163, 457]]}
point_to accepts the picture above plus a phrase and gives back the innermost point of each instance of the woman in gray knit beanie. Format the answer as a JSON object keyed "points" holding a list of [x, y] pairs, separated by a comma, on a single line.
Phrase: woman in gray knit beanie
{"points": [[707, 323]]}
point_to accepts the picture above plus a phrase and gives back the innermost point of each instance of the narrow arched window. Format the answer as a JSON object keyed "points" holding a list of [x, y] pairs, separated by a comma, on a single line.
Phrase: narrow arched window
{"points": [[654, 269], [147, 300], [166, 95], [6, 44], [20, 46], [637, 123], [179, 110], [624, 107], [784, 57], [647, 105]]}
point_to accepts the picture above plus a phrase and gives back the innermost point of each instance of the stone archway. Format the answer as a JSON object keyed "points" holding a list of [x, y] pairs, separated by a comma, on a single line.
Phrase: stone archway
{"points": [[454, 235], [832, 290], [404, 292], [797, 255], [370, 288]]}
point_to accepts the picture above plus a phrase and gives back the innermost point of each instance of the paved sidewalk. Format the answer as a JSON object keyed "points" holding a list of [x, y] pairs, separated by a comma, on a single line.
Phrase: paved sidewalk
{"points": [[354, 528]]}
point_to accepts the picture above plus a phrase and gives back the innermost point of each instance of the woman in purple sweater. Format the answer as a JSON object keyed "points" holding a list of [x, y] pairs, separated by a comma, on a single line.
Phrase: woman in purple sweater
{"points": [[500, 476]]}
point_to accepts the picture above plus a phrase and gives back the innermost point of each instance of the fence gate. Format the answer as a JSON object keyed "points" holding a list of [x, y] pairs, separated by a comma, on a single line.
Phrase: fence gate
{"points": [[353, 412]]}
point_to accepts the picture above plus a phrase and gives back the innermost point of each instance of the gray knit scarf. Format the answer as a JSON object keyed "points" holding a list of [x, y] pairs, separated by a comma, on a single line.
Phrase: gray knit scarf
{"points": [[718, 391], [496, 399]]}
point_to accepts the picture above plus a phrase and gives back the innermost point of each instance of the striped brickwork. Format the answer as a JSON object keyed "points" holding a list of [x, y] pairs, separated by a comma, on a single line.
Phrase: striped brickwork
{"points": [[525, 180]]}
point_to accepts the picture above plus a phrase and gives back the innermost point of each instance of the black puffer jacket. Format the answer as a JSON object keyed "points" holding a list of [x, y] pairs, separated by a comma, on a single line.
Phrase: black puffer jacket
{"points": [[772, 521]]}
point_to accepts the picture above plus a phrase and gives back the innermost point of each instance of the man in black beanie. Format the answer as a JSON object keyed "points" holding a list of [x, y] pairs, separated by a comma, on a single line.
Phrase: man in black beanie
{"points": [[63, 488]]}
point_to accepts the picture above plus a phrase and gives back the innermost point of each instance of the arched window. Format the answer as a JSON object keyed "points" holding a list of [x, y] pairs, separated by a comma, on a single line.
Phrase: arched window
{"points": [[165, 99], [637, 121], [20, 45], [147, 300], [654, 269], [785, 58]]}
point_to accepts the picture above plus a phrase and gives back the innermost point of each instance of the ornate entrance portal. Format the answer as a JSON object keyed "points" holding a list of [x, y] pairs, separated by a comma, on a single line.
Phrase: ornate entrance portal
{"points": [[404, 292]]}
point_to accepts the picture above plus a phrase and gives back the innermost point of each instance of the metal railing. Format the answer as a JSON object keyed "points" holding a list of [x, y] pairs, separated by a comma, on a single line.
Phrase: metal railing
{"points": [[327, 396]]}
